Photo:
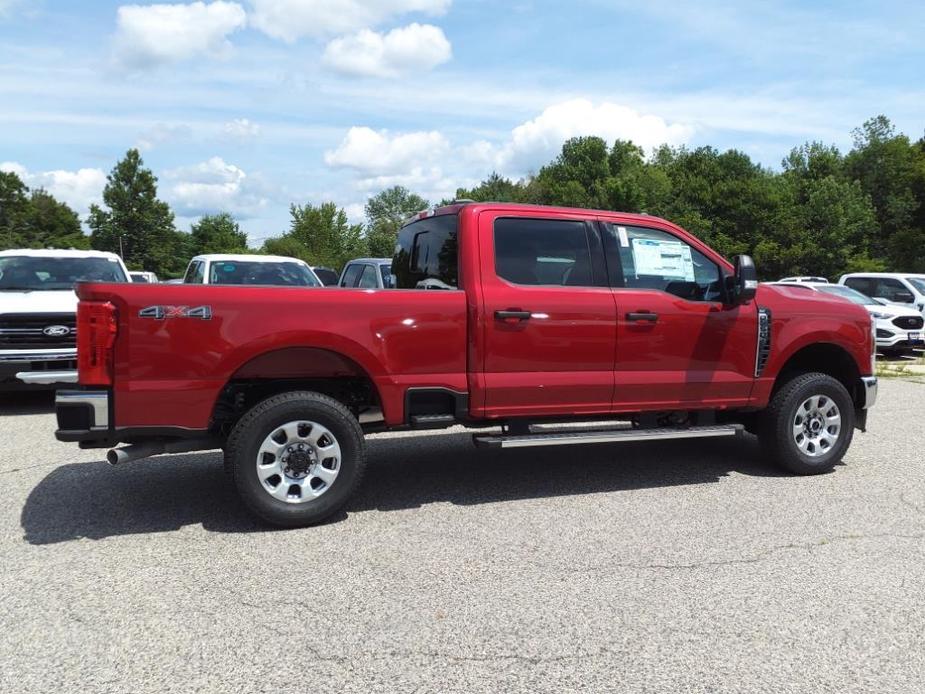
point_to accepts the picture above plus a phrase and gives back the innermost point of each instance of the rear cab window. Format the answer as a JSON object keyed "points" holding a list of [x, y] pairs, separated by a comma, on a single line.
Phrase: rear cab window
{"points": [[426, 254]]}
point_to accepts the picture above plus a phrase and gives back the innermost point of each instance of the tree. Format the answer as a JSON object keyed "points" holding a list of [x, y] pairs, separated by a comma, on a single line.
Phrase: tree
{"points": [[52, 224], [384, 214], [578, 176], [495, 188], [888, 168], [14, 209], [137, 225], [36, 219], [217, 233], [321, 235]]}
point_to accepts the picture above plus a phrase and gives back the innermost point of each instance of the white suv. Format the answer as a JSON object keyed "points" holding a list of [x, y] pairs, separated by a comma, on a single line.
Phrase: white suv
{"points": [[899, 328], [38, 312], [231, 268], [900, 288]]}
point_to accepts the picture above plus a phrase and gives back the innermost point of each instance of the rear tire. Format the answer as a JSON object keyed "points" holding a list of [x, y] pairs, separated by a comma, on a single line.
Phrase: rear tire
{"points": [[808, 424], [296, 458]]}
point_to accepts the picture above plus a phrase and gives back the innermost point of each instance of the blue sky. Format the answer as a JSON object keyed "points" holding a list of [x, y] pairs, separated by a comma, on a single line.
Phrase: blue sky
{"points": [[247, 106]]}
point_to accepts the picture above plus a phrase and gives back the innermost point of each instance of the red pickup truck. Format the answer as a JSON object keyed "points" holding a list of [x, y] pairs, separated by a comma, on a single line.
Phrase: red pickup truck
{"points": [[503, 315]]}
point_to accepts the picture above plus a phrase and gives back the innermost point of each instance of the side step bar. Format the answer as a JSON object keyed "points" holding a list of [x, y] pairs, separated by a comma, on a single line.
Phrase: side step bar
{"points": [[562, 438]]}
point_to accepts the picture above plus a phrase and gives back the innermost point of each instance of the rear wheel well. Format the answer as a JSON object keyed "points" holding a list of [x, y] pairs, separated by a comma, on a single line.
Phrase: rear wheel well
{"points": [[292, 369], [825, 358]]}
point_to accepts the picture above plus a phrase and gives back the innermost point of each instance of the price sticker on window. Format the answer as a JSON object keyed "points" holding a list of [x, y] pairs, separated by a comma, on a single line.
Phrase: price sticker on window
{"points": [[624, 239]]}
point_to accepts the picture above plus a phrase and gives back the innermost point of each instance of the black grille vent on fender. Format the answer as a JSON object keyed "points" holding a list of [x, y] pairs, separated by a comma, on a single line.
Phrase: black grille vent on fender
{"points": [[764, 340]]}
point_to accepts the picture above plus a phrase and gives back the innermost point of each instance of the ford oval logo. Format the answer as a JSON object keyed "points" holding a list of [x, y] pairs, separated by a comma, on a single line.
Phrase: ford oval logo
{"points": [[56, 330]]}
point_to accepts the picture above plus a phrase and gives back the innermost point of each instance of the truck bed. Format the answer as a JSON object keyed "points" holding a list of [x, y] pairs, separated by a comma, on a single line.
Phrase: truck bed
{"points": [[170, 370]]}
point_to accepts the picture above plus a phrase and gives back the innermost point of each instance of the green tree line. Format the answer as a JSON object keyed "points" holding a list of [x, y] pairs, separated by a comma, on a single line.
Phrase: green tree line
{"points": [[823, 213]]}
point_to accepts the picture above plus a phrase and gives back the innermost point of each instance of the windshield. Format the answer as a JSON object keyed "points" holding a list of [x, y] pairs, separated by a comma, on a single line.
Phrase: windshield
{"points": [[849, 294], [46, 273], [287, 274], [918, 283]]}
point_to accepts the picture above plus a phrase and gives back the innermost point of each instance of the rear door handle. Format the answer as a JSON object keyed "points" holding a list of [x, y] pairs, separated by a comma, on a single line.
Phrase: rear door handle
{"points": [[642, 316], [510, 314]]}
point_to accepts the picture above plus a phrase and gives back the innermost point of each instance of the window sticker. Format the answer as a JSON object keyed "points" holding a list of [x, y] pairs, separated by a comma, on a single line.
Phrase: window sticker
{"points": [[668, 259], [624, 240]]}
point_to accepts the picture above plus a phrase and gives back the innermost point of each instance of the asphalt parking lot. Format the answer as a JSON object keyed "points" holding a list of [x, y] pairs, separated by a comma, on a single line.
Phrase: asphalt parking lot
{"points": [[671, 567]]}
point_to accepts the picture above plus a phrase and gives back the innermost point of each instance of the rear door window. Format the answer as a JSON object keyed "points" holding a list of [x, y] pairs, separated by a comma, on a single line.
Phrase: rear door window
{"points": [[351, 275], [369, 279], [544, 252]]}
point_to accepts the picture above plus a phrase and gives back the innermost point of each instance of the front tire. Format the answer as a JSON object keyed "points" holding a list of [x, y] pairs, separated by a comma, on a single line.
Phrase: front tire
{"points": [[808, 425], [296, 458]]}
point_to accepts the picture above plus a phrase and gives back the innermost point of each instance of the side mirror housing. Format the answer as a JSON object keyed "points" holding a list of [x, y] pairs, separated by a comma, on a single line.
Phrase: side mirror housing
{"points": [[745, 280]]}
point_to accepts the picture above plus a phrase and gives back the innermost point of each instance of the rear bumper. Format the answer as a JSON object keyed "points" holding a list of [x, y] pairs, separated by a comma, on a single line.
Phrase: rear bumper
{"points": [[867, 392], [83, 415]]}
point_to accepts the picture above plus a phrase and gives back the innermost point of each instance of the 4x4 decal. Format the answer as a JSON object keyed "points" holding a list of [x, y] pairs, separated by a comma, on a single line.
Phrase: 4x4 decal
{"points": [[163, 312]]}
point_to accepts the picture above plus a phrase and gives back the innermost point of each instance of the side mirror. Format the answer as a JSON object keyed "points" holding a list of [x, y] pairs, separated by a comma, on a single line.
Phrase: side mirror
{"points": [[745, 280], [904, 297]]}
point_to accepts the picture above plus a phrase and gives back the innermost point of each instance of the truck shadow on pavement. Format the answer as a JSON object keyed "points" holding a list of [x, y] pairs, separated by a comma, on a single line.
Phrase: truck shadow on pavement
{"points": [[95, 500], [27, 402]]}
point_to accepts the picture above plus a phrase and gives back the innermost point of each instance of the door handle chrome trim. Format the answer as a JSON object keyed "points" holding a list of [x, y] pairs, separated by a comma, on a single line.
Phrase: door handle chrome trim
{"points": [[509, 314], [642, 316]]}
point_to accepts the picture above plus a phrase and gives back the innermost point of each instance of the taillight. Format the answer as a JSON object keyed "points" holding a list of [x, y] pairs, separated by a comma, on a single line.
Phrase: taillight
{"points": [[96, 335]]}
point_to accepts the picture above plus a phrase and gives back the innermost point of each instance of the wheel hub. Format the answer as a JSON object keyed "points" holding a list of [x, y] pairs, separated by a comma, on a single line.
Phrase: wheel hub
{"points": [[299, 460]]}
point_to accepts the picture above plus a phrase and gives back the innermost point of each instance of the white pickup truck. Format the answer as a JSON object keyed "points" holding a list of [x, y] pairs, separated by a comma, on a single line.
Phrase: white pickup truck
{"points": [[38, 312]]}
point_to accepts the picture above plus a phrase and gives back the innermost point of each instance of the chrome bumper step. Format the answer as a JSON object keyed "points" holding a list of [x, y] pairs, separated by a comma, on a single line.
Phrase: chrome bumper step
{"points": [[562, 438]]}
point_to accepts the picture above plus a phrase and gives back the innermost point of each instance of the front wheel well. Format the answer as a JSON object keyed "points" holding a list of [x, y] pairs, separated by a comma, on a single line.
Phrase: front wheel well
{"points": [[825, 358]]}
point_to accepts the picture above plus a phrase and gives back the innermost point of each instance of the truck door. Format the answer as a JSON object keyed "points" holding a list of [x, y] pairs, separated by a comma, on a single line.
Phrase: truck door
{"points": [[678, 343], [547, 315]]}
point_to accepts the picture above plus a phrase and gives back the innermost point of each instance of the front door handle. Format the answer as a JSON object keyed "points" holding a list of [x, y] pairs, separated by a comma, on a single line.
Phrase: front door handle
{"points": [[512, 314], [642, 316]]}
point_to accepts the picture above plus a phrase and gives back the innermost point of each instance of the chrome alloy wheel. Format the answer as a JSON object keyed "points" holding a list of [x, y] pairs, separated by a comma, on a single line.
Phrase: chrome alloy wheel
{"points": [[298, 461], [817, 425]]}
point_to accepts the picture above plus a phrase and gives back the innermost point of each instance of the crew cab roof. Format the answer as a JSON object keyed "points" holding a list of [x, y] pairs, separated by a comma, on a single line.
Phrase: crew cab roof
{"points": [[519, 207]]}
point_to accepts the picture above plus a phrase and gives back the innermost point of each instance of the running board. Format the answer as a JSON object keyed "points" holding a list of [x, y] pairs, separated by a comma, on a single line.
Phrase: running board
{"points": [[562, 438]]}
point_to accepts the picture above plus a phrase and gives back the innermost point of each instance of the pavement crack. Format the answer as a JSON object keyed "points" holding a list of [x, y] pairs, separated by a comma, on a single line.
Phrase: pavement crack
{"points": [[759, 557], [28, 467], [911, 504]]}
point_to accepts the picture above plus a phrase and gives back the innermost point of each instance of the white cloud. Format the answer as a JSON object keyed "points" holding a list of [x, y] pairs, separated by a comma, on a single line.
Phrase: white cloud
{"points": [[380, 153], [79, 189], [416, 47], [241, 129], [536, 141], [148, 35], [214, 186], [419, 160], [162, 133], [290, 20]]}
